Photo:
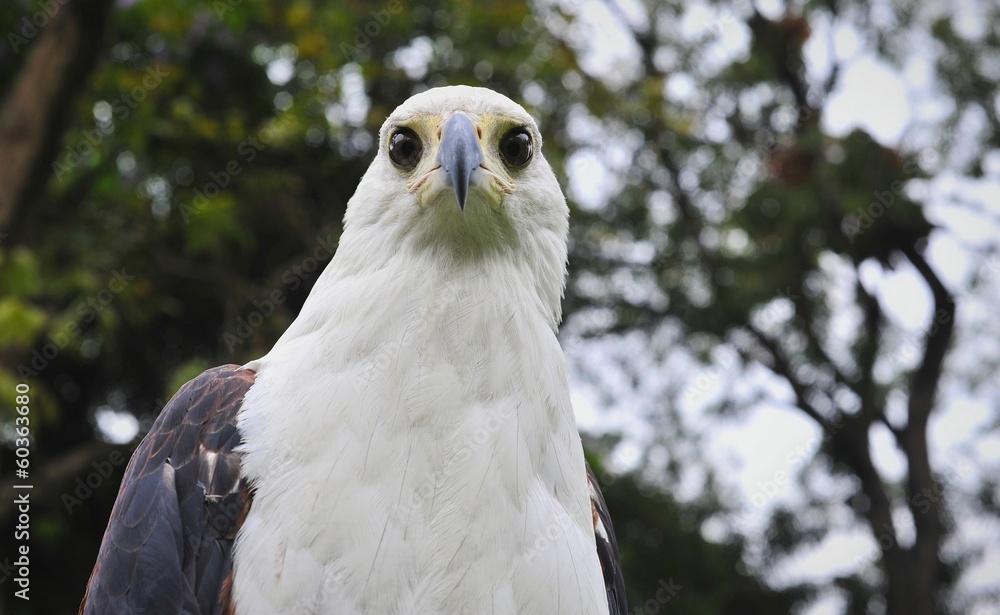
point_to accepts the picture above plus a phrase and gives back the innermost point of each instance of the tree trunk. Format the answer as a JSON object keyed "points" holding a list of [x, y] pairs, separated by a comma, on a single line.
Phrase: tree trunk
{"points": [[61, 54]]}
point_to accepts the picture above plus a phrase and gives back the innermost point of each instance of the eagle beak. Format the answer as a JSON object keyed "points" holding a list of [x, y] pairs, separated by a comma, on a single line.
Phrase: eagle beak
{"points": [[459, 154]]}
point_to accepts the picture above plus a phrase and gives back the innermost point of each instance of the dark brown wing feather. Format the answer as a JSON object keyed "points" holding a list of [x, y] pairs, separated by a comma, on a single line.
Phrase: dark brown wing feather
{"points": [[168, 546], [607, 549]]}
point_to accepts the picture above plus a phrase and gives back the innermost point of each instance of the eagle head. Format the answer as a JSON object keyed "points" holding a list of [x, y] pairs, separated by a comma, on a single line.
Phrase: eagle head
{"points": [[461, 164]]}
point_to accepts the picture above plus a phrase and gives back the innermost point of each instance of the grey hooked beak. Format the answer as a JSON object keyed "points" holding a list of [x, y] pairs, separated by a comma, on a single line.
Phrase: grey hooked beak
{"points": [[459, 154]]}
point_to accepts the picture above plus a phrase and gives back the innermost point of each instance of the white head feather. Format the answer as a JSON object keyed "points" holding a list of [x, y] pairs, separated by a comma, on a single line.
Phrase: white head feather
{"points": [[523, 223]]}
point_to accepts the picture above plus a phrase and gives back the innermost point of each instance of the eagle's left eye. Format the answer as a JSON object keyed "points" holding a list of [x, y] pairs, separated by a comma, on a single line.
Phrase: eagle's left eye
{"points": [[405, 148], [516, 148]]}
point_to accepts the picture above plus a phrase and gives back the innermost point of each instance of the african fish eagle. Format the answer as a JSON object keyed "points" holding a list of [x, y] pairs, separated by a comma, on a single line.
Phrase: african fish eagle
{"points": [[408, 445]]}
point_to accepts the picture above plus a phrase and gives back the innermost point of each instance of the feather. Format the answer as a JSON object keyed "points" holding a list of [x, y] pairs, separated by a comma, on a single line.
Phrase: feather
{"points": [[607, 548], [168, 546]]}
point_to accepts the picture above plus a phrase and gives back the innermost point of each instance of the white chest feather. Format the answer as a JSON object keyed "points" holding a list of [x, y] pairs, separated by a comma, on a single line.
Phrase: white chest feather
{"points": [[417, 455]]}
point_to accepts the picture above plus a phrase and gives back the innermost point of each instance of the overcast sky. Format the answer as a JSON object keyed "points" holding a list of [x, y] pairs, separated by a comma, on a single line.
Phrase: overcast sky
{"points": [[900, 108]]}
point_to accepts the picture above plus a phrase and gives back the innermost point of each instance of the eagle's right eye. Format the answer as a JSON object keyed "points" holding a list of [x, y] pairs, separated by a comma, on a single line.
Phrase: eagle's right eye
{"points": [[405, 148]]}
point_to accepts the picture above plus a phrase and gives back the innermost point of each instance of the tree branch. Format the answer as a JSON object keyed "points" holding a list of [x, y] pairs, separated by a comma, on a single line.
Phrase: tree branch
{"points": [[849, 444], [868, 351], [924, 385], [782, 367], [925, 496]]}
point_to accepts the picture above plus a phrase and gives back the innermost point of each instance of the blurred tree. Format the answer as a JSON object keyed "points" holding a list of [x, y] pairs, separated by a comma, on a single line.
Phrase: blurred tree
{"points": [[767, 215], [173, 177]]}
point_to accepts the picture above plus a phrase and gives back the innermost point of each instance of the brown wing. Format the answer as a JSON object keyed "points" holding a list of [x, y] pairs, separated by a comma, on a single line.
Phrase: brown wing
{"points": [[168, 546], [607, 549]]}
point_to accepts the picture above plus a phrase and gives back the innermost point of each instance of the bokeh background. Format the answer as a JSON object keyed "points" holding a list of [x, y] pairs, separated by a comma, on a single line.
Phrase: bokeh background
{"points": [[781, 312]]}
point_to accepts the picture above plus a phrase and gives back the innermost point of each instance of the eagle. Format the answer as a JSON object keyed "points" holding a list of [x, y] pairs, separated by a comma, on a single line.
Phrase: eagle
{"points": [[408, 444]]}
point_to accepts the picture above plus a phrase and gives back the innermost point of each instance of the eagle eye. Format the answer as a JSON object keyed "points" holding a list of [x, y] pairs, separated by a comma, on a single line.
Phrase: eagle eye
{"points": [[516, 148], [405, 148]]}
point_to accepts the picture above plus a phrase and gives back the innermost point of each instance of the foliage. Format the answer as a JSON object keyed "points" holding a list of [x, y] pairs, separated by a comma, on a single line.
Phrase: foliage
{"points": [[199, 171]]}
